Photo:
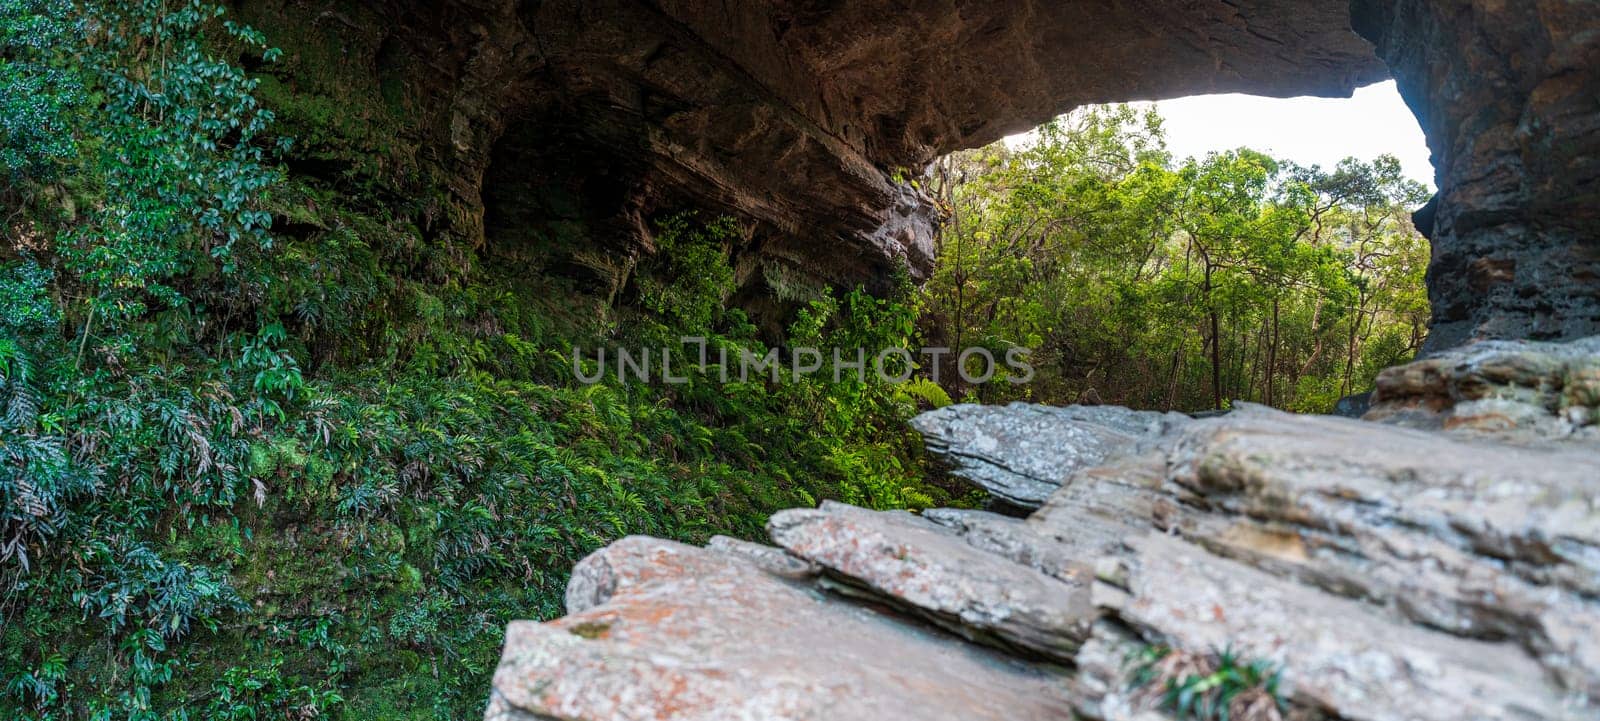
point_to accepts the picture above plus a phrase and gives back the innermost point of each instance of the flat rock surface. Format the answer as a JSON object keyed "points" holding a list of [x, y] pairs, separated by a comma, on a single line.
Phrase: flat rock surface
{"points": [[1021, 453], [922, 565], [1536, 508], [694, 634]]}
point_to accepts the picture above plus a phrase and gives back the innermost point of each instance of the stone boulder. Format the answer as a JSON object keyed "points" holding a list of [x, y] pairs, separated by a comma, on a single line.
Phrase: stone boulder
{"points": [[929, 569]]}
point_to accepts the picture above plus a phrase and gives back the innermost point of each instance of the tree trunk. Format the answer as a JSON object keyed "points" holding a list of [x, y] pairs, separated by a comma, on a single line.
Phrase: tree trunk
{"points": [[1216, 343], [1272, 351]]}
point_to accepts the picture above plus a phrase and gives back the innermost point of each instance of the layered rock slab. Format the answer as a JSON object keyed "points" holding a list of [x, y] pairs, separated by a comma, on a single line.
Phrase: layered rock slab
{"points": [[663, 630], [1339, 656], [926, 567], [1021, 453], [1520, 391], [1494, 541], [1474, 538]]}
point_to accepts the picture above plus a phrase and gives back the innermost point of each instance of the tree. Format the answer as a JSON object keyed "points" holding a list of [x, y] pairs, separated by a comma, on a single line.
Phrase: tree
{"points": [[1154, 284]]}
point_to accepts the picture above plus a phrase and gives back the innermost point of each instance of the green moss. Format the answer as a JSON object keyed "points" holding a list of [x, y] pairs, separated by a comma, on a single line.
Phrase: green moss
{"points": [[590, 630]]}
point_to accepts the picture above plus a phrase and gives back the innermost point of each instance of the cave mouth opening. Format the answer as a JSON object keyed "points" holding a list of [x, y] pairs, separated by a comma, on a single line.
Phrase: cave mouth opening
{"points": [[1190, 253]]}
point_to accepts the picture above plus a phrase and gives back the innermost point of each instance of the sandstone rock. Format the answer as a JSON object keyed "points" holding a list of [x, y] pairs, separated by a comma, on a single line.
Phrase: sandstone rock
{"points": [[1102, 687], [1536, 510], [921, 565], [1013, 539], [775, 561], [1505, 92], [1097, 507], [1338, 655], [1353, 406], [811, 121], [1513, 390], [693, 634], [1021, 453], [1476, 538]]}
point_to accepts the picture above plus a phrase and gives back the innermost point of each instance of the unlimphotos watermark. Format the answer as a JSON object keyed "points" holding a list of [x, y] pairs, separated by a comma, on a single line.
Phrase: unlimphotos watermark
{"points": [[891, 365]]}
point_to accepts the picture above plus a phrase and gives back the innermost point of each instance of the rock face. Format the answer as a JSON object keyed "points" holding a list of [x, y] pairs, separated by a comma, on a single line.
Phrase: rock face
{"points": [[810, 119], [1506, 389], [1505, 92], [930, 569], [1387, 572]]}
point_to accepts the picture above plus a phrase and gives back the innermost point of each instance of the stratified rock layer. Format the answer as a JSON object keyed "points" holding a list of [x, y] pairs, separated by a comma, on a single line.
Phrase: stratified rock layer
{"points": [[1021, 453], [689, 633], [1502, 389], [928, 568], [1506, 94], [1389, 572]]}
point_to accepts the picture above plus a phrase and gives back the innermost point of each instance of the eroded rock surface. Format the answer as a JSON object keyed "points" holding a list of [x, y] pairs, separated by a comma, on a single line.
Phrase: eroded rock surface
{"points": [[1512, 390], [1388, 572], [1340, 656], [1022, 452], [1505, 92], [926, 567], [810, 120], [689, 633]]}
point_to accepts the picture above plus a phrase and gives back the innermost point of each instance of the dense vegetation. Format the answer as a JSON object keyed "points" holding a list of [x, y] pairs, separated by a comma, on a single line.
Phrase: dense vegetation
{"points": [[1154, 284], [270, 448]]}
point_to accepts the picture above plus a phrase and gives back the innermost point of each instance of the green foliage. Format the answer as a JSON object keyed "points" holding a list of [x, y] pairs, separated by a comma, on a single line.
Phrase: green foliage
{"points": [[1210, 687], [688, 279], [271, 448], [1174, 285], [38, 98], [926, 391]]}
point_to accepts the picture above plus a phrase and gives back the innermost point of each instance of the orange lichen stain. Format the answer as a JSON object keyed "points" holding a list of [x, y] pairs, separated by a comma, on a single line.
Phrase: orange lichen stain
{"points": [[1286, 545], [646, 615], [1481, 421], [672, 702], [1217, 614]]}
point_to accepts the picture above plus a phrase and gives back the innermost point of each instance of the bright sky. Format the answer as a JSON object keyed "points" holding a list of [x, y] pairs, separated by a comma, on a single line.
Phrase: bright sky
{"points": [[1306, 130]]}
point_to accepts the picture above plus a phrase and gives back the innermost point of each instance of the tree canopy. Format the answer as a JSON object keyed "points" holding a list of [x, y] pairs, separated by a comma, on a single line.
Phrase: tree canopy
{"points": [[1149, 282]]}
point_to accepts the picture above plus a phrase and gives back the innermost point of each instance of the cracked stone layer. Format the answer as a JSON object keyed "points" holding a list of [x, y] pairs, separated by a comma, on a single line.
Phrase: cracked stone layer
{"points": [[924, 566], [686, 633], [1020, 453], [1510, 390], [1339, 655]]}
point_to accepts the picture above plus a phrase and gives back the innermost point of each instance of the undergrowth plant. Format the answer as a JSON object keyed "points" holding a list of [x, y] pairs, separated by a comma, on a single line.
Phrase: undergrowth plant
{"points": [[1218, 686], [268, 452]]}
